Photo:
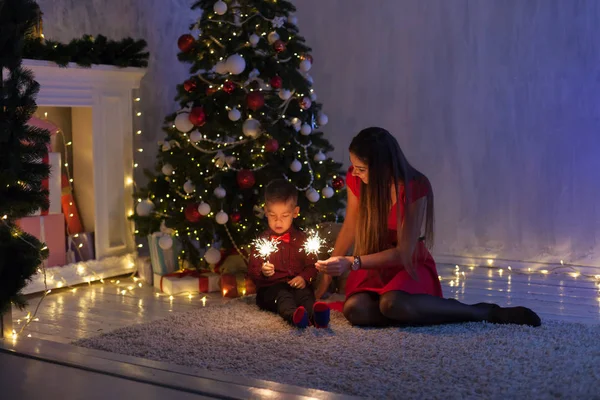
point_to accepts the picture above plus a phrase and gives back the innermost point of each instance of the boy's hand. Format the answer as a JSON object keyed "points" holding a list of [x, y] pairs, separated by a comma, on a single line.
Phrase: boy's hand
{"points": [[268, 269], [298, 282]]}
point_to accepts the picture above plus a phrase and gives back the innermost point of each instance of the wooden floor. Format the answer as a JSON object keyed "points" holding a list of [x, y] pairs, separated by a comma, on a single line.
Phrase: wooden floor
{"points": [[86, 311]]}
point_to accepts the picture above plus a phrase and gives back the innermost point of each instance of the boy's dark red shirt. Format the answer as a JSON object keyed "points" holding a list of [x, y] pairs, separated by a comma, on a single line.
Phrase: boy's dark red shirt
{"points": [[289, 260]]}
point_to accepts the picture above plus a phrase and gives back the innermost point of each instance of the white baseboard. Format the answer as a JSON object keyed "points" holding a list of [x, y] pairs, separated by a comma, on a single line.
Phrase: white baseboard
{"points": [[523, 266], [82, 272]]}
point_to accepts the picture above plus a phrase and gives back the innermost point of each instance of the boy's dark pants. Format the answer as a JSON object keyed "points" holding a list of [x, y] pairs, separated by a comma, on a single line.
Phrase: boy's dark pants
{"points": [[283, 299]]}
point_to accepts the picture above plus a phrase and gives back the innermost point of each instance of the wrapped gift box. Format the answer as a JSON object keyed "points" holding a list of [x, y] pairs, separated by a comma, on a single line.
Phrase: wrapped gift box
{"points": [[69, 208], [236, 285], [187, 281], [163, 261], [49, 229], [80, 247], [52, 184]]}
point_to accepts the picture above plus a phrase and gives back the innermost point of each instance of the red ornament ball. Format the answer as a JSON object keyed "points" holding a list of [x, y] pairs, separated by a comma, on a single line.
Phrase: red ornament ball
{"points": [[185, 42], [197, 116], [235, 217], [338, 183], [245, 179], [189, 85], [272, 145], [279, 46], [229, 87], [276, 82], [255, 100], [191, 213]]}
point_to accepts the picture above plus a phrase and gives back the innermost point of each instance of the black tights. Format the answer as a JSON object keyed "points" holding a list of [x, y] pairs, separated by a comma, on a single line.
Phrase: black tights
{"points": [[401, 308]]}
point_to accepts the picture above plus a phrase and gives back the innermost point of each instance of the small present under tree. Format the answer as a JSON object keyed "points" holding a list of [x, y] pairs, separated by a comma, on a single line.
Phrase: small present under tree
{"points": [[21, 150], [248, 115]]}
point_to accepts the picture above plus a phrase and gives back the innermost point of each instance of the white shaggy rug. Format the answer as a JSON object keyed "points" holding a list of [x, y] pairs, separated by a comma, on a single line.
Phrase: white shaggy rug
{"points": [[474, 360]]}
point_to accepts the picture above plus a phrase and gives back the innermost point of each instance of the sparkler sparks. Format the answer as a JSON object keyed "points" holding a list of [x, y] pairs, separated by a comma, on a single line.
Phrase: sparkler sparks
{"points": [[313, 243], [265, 247]]}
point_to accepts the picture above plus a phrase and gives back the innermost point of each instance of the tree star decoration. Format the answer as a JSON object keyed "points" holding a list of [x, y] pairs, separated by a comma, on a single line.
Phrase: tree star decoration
{"points": [[278, 22]]}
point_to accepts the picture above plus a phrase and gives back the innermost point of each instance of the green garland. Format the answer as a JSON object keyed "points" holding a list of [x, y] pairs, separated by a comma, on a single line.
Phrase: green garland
{"points": [[87, 51]]}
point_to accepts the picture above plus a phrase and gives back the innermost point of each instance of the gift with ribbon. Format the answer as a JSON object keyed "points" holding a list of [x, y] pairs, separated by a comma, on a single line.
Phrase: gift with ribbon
{"points": [[80, 247], [164, 260], [187, 281], [49, 229], [236, 285]]}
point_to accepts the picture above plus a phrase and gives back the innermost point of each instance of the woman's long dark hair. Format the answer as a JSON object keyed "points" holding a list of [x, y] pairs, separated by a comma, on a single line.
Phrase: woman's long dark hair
{"points": [[387, 166]]}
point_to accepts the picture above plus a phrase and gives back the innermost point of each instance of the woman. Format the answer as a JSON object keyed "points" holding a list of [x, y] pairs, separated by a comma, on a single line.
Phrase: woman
{"points": [[393, 279]]}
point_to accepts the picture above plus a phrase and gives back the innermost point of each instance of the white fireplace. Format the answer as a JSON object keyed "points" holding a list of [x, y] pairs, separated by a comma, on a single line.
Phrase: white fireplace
{"points": [[100, 100]]}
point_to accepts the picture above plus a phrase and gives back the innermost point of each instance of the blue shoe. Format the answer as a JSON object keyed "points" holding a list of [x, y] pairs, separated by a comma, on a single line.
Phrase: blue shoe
{"points": [[300, 318], [321, 315]]}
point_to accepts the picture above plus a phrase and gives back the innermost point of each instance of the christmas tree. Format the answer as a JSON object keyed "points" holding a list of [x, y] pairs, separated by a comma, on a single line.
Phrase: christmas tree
{"points": [[21, 151], [248, 115]]}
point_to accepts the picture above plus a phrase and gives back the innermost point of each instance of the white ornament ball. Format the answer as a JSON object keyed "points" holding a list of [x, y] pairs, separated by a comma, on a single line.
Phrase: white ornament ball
{"points": [[327, 192], [204, 208], [144, 208], [234, 114], [292, 19], [220, 192], [320, 156], [222, 217], [306, 130], [251, 127], [195, 136], [236, 64], [182, 122], [305, 65], [221, 68], [220, 7], [284, 94], [296, 166], [167, 169], [212, 256], [323, 119], [166, 146], [189, 187], [165, 242], [312, 195], [254, 39], [273, 37]]}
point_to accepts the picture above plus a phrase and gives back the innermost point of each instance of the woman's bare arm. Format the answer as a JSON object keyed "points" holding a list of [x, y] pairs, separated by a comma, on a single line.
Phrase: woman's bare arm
{"points": [[344, 240]]}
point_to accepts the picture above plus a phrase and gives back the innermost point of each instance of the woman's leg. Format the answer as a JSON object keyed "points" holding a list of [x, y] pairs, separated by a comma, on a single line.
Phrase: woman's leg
{"points": [[423, 309], [362, 309]]}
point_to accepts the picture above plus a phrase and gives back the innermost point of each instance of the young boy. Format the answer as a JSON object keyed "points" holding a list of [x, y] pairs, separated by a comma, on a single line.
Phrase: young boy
{"points": [[283, 281]]}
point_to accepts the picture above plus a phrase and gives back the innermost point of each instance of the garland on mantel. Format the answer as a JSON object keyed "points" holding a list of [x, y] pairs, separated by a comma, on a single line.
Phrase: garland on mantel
{"points": [[88, 50]]}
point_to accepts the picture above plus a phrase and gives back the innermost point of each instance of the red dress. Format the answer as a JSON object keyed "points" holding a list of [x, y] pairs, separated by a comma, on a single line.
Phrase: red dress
{"points": [[396, 278]]}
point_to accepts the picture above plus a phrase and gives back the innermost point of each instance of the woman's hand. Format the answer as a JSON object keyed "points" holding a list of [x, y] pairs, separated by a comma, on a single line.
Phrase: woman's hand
{"points": [[334, 266]]}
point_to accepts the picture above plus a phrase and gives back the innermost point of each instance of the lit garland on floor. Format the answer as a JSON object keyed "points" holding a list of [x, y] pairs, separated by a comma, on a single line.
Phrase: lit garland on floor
{"points": [[458, 273]]}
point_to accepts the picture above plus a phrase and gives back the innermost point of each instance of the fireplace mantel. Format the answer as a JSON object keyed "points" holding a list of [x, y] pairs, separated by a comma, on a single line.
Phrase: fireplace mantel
{"points": [[102, 106]]}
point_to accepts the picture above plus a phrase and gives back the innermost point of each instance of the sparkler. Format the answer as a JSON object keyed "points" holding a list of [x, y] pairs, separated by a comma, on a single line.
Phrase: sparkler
{"points": [[265, 247], [313, 243]]}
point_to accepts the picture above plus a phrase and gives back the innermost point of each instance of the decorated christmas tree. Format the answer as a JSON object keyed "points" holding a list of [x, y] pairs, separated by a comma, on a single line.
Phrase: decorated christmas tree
{"points": [[248, 115], [21, 151]]}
